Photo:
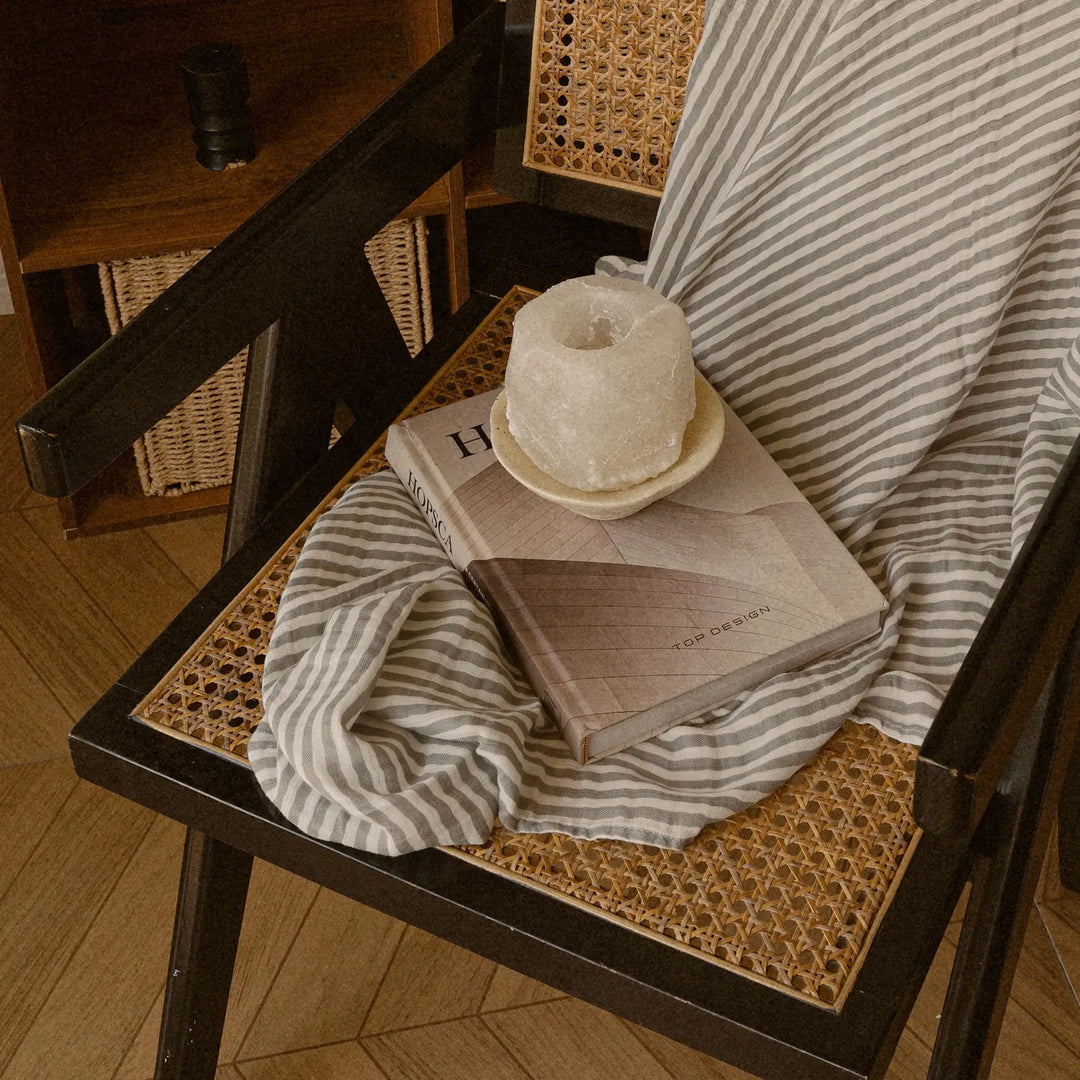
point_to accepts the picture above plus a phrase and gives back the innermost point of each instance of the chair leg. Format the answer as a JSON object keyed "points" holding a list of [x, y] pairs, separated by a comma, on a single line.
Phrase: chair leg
{"points": [[1069, 824], [1017, 831], [209, 912]]}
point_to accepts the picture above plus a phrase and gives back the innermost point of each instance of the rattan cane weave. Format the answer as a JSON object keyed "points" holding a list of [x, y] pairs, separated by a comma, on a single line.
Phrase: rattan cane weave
{"points": [[607, 88], [214, 694], [788, 891], [192, 448]]}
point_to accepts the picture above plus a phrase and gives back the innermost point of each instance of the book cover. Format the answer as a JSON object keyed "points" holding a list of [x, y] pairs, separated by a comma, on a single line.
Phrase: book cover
{"points": [[627, 627]]}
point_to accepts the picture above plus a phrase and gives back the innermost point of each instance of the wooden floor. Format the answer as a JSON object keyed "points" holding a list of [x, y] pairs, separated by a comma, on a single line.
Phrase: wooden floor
{"points": [[325, 988]]}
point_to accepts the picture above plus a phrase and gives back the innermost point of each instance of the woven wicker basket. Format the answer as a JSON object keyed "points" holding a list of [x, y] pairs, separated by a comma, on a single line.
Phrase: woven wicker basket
{"points": [[192, 448]]}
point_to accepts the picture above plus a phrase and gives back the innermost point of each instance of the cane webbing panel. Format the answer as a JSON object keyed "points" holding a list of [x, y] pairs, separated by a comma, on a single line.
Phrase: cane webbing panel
{"points": [[788, 891], [213, 695], [607, 88]]}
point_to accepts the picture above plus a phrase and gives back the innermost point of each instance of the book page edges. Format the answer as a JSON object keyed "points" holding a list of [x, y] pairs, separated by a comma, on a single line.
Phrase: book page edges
{"points": [[598, 740]]}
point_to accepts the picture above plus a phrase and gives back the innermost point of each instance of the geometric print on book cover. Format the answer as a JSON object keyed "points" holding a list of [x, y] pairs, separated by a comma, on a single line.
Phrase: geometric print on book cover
{"points": [[788, 891]]}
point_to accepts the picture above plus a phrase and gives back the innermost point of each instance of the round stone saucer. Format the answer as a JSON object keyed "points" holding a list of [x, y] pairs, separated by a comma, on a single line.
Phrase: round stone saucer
{"points": [[701, 441]]}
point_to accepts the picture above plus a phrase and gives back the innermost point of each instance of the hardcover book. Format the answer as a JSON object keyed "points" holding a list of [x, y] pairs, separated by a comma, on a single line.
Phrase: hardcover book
{"points": [[627, 627]]}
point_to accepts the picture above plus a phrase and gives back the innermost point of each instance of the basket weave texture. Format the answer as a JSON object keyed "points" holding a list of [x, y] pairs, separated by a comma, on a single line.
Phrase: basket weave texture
{"points": [[788, 891], [192, 448], [607, 88]]}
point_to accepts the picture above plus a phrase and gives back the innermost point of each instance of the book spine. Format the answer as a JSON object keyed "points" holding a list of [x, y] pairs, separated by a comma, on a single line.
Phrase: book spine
{"points": [[487, 579], [434, 497], [429, 490]]}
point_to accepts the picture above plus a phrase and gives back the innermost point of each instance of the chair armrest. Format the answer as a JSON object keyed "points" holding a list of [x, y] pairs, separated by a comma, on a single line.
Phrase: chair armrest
{"points": [[1008, 668], [304, 244]]}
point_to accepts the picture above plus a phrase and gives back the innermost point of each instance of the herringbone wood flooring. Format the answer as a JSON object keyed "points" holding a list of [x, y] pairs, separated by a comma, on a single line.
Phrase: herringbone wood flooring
{"points": [[325, 989]]}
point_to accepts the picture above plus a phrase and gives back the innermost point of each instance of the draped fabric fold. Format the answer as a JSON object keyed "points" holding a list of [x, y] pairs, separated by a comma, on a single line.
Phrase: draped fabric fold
{"points": [[872, 222]]}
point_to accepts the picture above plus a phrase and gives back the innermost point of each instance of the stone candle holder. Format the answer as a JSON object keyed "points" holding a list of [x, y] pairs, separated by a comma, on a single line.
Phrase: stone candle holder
{"points": [[600, 390]]}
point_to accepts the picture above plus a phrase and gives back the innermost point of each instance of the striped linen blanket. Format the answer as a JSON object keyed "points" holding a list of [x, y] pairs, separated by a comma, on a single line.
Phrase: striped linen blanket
{"points": [[872, 222]]}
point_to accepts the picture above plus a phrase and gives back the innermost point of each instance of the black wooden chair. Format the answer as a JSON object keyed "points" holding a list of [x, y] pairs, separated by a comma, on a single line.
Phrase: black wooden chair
{"points": [[986, 784]]}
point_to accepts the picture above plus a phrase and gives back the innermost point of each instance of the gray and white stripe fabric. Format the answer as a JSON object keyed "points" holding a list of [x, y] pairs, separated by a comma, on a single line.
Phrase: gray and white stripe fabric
{"points": [[872, 222]]}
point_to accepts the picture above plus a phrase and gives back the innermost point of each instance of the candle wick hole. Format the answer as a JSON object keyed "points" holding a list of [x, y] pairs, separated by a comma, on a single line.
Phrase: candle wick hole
{"points": [[597, 332]]}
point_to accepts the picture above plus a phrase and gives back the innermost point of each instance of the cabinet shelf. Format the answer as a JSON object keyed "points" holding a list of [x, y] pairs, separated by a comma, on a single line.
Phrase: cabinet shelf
{"points": [[480, 179], [114, 500], [97, 161], [109, 169]]}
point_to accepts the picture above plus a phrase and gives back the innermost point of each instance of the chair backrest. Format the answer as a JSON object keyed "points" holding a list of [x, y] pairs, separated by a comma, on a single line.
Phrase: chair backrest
{"points": [[592, 95]]}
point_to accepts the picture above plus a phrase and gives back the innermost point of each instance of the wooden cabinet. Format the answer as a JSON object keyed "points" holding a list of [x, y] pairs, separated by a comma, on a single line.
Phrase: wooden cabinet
{"points": [[97, 161]]}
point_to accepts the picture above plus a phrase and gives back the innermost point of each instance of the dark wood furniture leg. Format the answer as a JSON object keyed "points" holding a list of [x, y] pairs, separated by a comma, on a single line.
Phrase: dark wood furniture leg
{"points": [[346, 348], [1016, 833], [209, 913], [1069, 824]]}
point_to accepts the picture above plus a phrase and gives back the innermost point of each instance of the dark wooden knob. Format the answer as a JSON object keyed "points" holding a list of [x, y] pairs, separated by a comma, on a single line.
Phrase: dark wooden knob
{"points": [[217, 88]]}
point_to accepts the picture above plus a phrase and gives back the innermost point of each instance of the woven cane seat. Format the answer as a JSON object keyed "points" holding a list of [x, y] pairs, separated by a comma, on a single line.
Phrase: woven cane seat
{"points": [[788, 891], [607, 87]]}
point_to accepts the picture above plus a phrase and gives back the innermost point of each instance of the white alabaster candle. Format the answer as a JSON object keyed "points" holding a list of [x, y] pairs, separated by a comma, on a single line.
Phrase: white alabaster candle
{"points": [[600, 382]]}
